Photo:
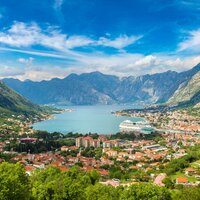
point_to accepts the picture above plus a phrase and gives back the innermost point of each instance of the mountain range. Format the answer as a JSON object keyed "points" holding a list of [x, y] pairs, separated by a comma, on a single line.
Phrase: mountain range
{"points": [[96, 88]]}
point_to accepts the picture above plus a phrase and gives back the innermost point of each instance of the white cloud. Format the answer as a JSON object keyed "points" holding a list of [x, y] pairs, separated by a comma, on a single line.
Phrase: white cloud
{"points": [[37, 53], [137, 64], [147, 60], [21, 35], [45, 72], [37, 75], [7, 71], [77, 41], [122, 64], [192, 42], [27, 61], [119, 42], [180, 64], [25, 35]]}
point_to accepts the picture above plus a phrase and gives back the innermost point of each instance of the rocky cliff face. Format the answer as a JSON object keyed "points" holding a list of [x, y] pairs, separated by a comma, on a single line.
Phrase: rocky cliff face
{"points": [[186, 90]]}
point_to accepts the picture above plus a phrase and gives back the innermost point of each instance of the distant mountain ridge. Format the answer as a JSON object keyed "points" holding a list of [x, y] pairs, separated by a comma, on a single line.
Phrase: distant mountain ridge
{"points": [[97, 88]]}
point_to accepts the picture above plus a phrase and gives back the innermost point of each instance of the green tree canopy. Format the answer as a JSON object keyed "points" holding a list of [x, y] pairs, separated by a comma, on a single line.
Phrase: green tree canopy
{"points": [[101, 192], [14, 183], [144, 192]]}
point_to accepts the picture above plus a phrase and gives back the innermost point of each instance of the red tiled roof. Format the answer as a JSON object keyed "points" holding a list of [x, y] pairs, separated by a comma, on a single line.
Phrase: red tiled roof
{"points": [[88, 168], [29, 168], [104, 172], [181, 180], [134, 167], [73, 147]]}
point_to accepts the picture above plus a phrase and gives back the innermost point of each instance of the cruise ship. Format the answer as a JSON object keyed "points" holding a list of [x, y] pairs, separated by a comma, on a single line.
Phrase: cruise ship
{"points": [[140, 126]]}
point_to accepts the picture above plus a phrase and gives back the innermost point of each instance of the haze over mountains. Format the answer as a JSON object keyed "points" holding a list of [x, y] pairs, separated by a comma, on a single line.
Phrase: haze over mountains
{"points": [[97, 88]]}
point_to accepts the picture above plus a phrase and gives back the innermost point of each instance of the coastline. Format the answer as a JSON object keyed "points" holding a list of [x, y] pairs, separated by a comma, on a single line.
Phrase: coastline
{"points": [[95, 119], [176, 121], [46, 117]]}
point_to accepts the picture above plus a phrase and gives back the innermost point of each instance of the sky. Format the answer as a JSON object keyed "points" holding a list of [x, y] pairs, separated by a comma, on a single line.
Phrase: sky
{"points": [[44, 39]]}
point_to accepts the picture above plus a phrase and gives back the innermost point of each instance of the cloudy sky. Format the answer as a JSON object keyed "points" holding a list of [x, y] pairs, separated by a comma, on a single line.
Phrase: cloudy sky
{"points": [[42, 39]]}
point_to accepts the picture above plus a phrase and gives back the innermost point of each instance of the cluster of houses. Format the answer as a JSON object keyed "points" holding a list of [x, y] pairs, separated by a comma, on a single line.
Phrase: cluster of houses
{"points": [[172, 120], [14, 123], [144, 155], [189, 172], [181, 179], [42, 160], [20, 124]]}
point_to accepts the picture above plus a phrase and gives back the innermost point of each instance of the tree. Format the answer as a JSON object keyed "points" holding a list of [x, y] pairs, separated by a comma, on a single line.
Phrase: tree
{"points": [[94, 176], [144, 192], [168, 183], [187, 194], [116, 172], [14, 183], [52, 184], [101, 192], [48, 184]]}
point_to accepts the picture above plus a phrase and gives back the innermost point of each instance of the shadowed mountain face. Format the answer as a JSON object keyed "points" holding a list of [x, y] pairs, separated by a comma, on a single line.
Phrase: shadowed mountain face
{"points": [[97, 88]]}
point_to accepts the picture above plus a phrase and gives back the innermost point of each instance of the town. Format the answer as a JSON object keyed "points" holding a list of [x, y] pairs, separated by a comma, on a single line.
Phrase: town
{"points": [[172, 121], [168, 156], [119, 161]]}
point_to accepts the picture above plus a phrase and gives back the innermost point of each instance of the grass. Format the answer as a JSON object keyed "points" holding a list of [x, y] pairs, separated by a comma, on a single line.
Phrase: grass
{"points": [[181, 174], [178, 174]]}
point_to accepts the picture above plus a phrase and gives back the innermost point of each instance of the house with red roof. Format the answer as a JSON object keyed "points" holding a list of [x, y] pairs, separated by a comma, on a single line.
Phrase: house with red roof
{"points": [[181, 180], [29, 169]]}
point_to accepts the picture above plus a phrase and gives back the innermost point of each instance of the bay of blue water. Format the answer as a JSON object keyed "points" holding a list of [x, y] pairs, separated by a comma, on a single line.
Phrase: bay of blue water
{"points": [[85, 119]]}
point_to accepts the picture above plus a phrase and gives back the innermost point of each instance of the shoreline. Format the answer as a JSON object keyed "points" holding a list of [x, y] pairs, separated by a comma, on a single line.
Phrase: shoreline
{"points": [[47, 117], [157, 118], [111, 127]]}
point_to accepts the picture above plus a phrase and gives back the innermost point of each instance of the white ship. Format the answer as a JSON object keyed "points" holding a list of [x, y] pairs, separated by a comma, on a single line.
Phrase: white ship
{"points": [[140, 126]]}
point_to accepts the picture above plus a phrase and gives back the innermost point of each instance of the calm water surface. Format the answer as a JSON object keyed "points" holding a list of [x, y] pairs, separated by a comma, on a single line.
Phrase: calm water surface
{"points": [[85, 119]]}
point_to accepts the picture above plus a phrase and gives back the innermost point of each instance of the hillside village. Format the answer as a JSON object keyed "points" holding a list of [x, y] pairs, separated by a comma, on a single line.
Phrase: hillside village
{"points": [[141, 156], [19, 123]]}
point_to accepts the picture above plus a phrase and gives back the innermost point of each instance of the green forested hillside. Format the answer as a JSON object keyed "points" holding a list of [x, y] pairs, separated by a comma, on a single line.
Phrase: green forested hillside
{"points": [[12, 102]]}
